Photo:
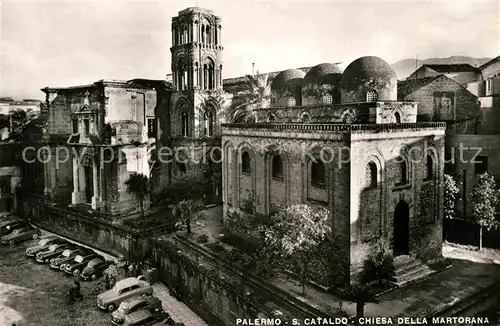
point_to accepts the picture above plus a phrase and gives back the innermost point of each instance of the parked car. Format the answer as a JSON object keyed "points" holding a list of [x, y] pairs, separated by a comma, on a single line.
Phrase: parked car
{"points": [[68, 255], [128, 306], [8, 226], [43, 244], [144, 318], [95, 268], [76, 265], [52, 251], [123, 290], [20, 234]]}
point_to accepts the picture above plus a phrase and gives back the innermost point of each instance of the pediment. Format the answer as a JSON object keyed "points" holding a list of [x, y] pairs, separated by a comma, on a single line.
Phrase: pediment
{"points": [[86, 109]]}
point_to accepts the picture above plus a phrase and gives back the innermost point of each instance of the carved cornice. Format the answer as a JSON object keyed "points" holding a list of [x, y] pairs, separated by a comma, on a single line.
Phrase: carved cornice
{"points": [[338, 127]]}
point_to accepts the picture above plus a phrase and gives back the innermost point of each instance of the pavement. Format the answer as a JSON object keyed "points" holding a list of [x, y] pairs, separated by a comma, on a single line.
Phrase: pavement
{"points": [[177, 310]]}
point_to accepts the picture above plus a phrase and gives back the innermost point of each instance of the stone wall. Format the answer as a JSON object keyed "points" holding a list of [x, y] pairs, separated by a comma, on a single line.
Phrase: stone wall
{"points": [[220, 292], [96, 232], [466, 106]]}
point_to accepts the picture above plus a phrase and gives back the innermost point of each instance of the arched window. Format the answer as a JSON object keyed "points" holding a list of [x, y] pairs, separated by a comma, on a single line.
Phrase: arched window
{"points": [[277, 166], [245, 163], [184, 35], [208, 120], [202, 33], [371, 175], [429, 168], [397, 116], [371, 96], [291, 101], [271, 118], [184, 124], [209, 74], [327, 99], [208, 29], [403, 170], [318, 174], [305, 118], [182, 167]]}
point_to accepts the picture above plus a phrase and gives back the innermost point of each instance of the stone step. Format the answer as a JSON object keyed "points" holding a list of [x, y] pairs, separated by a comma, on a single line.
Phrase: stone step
{"points": [[402, 274], [413, 277], [409, 269], [400, 271], [407, 265]]}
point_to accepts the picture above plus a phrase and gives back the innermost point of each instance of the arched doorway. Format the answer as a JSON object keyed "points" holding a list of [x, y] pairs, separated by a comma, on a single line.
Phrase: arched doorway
{"points": [[212, 175], [401, 229]]}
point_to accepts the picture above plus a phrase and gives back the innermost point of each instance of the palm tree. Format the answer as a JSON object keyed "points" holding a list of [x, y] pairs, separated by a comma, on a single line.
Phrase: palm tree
{"points": [[20, 120], [257, 91], [138, 184], [187, 211]]}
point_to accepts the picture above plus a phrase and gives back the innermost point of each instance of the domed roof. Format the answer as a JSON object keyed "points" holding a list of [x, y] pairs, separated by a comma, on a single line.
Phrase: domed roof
{"points": [[281, 81], [318, 73], [366, 69]]}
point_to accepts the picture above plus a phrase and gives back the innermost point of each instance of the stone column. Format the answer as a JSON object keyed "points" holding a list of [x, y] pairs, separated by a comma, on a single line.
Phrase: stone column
{"points": [[77, 195], [95, 198]]}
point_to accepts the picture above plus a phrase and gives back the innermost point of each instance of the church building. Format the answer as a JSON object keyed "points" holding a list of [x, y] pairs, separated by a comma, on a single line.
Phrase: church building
{"points": [[343, 141]]}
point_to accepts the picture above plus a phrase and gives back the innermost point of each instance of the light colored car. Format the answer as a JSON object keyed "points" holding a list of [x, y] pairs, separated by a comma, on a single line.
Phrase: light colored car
{"points": [[123, 290], [42, 245]]}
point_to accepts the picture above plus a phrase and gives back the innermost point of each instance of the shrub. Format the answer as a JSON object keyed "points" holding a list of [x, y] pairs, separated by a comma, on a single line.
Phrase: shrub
{"points": [[203, 238], [217, 247], [379, 265]]}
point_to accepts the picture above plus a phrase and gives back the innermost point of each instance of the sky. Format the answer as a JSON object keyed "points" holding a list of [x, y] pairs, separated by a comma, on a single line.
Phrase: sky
{"points": [[73, 43]]}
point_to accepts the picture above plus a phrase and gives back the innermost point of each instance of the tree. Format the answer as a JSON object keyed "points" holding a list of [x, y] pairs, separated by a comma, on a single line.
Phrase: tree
{"points": [[484, 198], [257, 91], [295, 235], [187, 211], [451, 191], [138, 184], [20, 120]]}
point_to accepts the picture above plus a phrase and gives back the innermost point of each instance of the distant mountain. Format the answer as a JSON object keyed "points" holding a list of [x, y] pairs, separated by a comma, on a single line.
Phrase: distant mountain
{"points": [[405, 67]]}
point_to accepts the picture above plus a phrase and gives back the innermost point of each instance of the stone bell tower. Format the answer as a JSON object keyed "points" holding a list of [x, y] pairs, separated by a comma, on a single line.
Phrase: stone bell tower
{"points": [[196, 50], [198, 97]]}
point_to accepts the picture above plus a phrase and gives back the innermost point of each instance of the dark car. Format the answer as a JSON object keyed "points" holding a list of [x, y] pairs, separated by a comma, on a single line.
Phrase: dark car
{"points": [[8, 226], [95, 268], [128, 306], [43, 244], [144, 318], [67, 256], [20, 234], [52, 251], [78, 264]]}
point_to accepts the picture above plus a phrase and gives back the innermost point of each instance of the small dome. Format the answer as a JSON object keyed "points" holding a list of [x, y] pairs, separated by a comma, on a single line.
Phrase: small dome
{"points": [[365, 70], [323, 73], [287, 78]]}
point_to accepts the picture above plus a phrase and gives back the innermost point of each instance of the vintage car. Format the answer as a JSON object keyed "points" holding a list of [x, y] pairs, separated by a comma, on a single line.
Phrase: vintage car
{"points": [[9, 225], [78, 264], [43, 244], [68, 255], [144, 318], [52, 251], [123, 289], [128, 306], [20, 234], [95, 268]]}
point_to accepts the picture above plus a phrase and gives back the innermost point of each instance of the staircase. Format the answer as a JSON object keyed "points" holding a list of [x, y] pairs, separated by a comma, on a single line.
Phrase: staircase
{"points": [[408, 270]]}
